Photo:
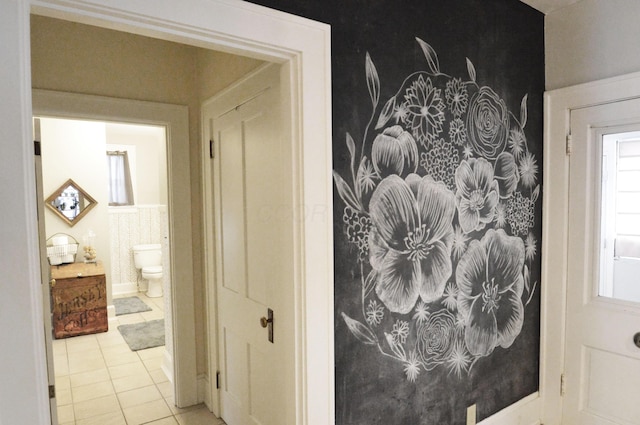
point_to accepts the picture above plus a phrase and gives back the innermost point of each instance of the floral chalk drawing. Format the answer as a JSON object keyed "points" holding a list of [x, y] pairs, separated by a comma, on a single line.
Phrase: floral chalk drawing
{"points": [[440, 211]]}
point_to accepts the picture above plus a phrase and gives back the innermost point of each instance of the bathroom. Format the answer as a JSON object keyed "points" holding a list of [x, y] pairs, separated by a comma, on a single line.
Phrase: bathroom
{"points": [[78, 150]]}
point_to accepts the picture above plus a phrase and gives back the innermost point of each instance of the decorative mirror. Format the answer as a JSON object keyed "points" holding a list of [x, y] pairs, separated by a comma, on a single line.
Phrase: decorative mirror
{"points": [[70, 202]]}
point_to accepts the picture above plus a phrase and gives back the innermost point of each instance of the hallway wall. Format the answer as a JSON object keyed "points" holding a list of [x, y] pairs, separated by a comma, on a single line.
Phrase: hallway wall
{"points": [[406, 350], [591, 40]]}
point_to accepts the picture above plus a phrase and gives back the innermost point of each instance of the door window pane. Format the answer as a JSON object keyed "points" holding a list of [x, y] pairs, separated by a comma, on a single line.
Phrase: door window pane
{"points": [[620, 213]]}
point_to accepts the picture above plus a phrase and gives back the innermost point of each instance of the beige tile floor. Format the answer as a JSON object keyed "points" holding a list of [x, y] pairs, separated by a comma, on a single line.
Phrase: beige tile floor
{"points": [[100, 381]]}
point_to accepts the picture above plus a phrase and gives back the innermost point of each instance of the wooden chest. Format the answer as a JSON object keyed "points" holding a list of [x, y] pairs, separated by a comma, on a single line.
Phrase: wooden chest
{"points": [[78, 299]]}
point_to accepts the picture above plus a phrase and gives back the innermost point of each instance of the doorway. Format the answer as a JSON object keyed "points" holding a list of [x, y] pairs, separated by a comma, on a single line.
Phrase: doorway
{"points": [[240, 28], [100, 375], [602, 365], [249, 269], [179, 357], [589, 352]]}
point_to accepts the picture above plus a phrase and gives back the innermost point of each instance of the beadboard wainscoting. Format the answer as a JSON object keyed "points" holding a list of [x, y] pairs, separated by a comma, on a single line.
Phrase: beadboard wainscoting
{"points": [[129, 226], [141, 224]]}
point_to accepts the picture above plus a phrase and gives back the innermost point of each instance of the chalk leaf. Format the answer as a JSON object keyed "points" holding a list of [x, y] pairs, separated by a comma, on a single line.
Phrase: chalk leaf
{"points": [[430, 54], [359, 330]]}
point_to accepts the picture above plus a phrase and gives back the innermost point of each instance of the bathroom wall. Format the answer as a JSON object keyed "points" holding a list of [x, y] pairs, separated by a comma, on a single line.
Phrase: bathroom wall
{"points": [[117, 228], [129, 226], [145, 222], [76, 150], [149, 170]]}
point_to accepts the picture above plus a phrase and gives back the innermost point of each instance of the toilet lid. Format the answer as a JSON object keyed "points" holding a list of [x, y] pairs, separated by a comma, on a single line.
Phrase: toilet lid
{"points": [[152, 269]]}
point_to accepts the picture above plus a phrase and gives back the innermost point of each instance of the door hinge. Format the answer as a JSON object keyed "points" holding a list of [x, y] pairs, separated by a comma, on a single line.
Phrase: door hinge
{"points": [[563, 385], [211, 154], [36, 147], [52, 391], [569, 145], [218, 380]]}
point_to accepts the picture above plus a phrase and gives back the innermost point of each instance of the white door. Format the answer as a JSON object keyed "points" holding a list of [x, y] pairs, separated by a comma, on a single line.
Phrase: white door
{"points": [[254, 255], [602, 363], [45, 274]]}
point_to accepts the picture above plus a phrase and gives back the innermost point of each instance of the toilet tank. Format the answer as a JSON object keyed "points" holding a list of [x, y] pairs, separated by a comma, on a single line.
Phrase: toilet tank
{"points": [[147, 255]]}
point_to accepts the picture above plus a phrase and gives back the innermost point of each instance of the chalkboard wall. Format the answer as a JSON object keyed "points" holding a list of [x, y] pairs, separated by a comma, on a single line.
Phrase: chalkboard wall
{"points": [[437, 141]]}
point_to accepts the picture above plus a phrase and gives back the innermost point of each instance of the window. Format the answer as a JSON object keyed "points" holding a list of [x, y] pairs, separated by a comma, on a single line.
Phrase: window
{"points": [[120, 188], [620, 216]]}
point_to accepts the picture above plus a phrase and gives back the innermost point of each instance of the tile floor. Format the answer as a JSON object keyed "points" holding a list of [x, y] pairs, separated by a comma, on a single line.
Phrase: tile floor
{"points": [[100, 381]]}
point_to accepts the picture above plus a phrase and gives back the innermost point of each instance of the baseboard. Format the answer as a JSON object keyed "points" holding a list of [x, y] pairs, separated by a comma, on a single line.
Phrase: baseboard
{"points": [[204, 390], [167, 366], [124, 288], [111, 312]]}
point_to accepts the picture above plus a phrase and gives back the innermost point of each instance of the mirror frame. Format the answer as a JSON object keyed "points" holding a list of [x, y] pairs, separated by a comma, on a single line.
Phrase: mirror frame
{"points": [[49, 202]]}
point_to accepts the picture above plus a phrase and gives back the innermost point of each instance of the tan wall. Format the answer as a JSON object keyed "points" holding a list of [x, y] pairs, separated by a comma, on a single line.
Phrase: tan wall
{"points": [[72, 57], [591, 40]]}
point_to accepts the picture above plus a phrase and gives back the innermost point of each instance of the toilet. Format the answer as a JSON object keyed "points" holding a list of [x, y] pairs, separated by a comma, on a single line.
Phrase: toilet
{"points": [[148, 259]]}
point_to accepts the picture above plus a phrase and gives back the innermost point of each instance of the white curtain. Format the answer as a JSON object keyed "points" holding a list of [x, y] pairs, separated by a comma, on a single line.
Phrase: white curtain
{"points": [[120, 189]]}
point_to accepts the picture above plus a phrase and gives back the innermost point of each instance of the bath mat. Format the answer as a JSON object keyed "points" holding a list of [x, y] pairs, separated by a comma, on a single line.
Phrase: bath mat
{"points": [[143, 335], [129, 305]]}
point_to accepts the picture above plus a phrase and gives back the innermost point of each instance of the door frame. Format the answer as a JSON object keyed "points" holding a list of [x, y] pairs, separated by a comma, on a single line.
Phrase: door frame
{"points": [[175, 119], [303, 47], [558, 105]]}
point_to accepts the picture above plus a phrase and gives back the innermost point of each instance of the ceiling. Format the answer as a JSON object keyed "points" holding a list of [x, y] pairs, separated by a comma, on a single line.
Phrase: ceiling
{"points": [[546, 6]]}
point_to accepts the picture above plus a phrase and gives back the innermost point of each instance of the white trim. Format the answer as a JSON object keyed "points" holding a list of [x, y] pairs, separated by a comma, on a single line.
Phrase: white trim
{"points": [[525, 411], [111, 314], [204, 390], [23, 362], [168, 367], [228, 25], [175, 119], [124, 289], [558, 106]]}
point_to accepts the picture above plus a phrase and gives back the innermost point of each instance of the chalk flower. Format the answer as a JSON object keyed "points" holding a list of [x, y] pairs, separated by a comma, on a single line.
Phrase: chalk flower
{"points": [[476, 195], [506, 174], [394, 152], [487, 123], [457, 132], [410, 240], [425, 110], [375, 313], [528, 170], [491, 281], [456, 95], [436, 338]]}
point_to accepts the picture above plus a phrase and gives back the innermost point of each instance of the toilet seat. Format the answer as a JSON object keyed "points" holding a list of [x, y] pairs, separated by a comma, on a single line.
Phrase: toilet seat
{"points": [[152, 273], [152, 269]]}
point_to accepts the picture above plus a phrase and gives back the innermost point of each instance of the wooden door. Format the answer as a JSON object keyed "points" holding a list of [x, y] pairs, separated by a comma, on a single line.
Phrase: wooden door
{"points": [[254, 257], [602, 363]]}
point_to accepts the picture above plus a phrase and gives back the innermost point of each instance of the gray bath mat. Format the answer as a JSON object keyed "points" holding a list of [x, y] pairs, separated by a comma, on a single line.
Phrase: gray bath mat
{"points": [[129, 305], [143, 335]]}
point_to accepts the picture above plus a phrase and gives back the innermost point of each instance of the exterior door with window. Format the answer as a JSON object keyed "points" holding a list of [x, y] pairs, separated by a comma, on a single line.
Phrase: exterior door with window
{"points": [[602, 362]]}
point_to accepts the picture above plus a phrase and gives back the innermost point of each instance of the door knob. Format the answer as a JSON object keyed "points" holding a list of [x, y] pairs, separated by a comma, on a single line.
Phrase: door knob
{"points": [[52, 282], [636, 339], [268, 322], [264, 322]]}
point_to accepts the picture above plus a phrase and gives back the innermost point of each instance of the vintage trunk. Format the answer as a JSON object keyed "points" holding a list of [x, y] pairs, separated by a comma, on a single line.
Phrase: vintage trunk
{"points": [[79, 299]]}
